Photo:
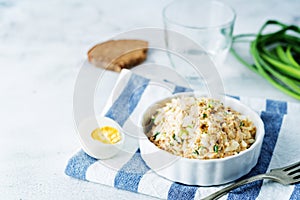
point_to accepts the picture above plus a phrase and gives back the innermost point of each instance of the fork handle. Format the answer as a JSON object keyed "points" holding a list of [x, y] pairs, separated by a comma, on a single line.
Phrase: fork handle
{"points": [[225, 190]]}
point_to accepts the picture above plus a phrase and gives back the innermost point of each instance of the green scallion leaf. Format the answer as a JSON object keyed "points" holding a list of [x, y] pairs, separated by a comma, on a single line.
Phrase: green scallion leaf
{"points": [[174, 138], [152, 119], [196, 152], [242, 123], [275, 56], [155, 135], [189, 126], [183, 131], [216, 148], [291, 58]]}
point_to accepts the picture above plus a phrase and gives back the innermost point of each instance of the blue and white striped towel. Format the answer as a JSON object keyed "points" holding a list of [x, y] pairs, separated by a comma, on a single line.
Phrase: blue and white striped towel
{"points": [[133, 93]]}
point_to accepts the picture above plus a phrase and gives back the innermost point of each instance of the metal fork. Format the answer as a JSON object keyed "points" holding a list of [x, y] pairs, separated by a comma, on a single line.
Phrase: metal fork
{"points": [[287, 175]]}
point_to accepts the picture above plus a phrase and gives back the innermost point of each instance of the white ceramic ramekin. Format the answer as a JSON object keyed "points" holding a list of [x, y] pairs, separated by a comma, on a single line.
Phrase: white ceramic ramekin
{"points": [[201, 172]]}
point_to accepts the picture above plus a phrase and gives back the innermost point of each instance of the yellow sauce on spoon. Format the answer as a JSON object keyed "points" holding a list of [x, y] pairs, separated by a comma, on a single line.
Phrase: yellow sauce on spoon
{"points": [[106, 134]]}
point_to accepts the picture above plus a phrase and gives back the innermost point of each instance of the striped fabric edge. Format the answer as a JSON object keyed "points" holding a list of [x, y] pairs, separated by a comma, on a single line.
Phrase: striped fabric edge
{"points": [[128, 99], [270, 105], [129, 176], [118, 88], [78, 165]]}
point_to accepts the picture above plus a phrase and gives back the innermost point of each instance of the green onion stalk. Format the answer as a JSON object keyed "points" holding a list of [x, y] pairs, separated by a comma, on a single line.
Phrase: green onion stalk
{"points": [[276, 56]]}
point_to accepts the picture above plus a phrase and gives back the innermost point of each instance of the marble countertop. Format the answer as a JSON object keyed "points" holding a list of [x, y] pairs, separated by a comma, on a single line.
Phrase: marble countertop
{"points": [[42, 47]]}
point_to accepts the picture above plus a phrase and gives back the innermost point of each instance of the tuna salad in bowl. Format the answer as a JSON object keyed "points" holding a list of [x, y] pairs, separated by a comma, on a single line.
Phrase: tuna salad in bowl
{"points": [[198, 140]]}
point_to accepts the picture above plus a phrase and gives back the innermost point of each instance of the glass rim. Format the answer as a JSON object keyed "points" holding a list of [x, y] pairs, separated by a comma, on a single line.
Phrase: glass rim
{"points": [[167, 19]]}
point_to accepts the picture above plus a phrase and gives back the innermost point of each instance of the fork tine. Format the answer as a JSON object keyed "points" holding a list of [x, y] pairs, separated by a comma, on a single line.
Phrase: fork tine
{"points": [[292, 166], [295, 180], [294, 170]]}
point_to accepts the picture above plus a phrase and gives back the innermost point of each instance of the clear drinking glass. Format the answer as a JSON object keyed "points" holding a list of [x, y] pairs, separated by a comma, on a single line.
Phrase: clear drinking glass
{"points": [[209, 23]]}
